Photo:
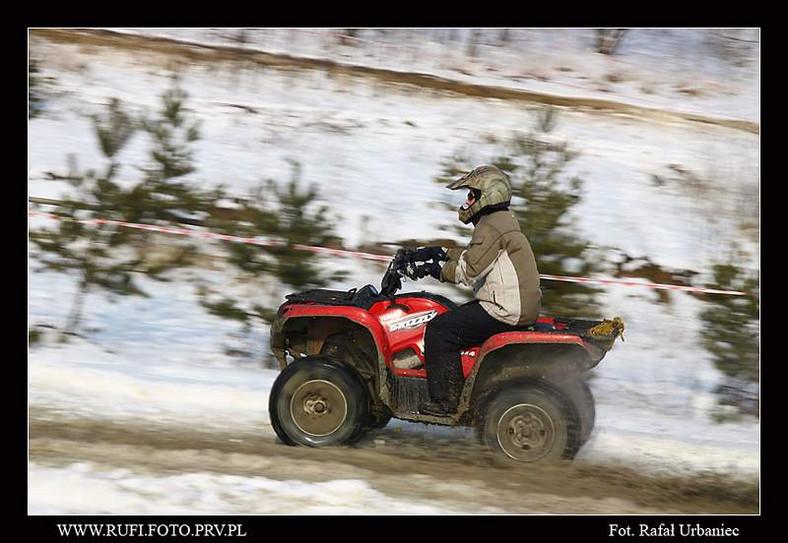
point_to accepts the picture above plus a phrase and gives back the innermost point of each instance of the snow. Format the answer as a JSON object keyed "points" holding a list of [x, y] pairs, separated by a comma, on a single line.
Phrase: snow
{"points": [[197, 494], [650, 68], [120, 491], [373, 151]]}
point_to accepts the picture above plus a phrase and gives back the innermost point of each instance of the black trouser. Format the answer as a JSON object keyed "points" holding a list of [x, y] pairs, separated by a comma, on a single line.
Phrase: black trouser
{"points": [[446, 336]]}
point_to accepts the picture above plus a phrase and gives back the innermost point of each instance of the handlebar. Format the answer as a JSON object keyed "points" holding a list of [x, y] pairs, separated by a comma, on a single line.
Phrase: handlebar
{"points": [[404, 264], [392, 279]]}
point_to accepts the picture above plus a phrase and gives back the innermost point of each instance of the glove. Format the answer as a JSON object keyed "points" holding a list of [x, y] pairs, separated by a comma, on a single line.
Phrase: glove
{"points": [[433, 269], [418, 271], [423, 254], [412, 270]]}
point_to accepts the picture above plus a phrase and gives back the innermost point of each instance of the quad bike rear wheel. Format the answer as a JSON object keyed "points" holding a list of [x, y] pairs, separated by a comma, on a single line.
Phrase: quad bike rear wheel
{"points": [[316, 401], [583, 402], [526, 425], [575, 397]]}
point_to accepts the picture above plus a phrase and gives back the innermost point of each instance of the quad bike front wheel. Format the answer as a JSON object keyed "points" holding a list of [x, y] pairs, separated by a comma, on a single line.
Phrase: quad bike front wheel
{"points": [[316, 401], [526, 425]]}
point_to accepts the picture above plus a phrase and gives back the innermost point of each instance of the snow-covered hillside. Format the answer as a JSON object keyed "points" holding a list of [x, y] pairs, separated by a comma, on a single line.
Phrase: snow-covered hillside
{"points": [[373, 150]]}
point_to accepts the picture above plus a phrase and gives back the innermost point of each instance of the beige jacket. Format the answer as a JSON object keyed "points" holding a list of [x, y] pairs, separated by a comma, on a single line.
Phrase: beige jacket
{"points": [[500, 266]]}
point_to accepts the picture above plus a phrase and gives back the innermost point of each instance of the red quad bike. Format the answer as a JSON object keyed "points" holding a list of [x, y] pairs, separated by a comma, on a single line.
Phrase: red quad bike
{"points": [[352, 360]]}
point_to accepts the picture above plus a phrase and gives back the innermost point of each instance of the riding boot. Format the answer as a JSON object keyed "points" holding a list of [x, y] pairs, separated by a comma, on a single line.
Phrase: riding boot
{"points": [[436, 409]]}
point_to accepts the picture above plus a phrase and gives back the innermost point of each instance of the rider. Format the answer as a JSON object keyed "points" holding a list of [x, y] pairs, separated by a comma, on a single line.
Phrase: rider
{"points": [[500, 266]]}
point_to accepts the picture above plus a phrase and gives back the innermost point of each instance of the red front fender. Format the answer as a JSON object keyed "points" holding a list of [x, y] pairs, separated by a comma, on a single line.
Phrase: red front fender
{"points": [[353, 314]]}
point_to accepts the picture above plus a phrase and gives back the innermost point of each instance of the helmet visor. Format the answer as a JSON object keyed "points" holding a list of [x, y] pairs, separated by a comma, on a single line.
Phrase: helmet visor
{"points": [[459, 183]]}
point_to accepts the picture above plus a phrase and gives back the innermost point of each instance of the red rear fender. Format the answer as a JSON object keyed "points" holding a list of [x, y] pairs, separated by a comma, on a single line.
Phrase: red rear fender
{"points": [[510, 338], [529, 338]]}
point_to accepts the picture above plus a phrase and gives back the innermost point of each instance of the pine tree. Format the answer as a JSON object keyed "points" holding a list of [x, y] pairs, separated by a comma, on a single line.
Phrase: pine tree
{"points": [[109, 257], [40, 88], [543, 197], [285, 215], [96, 253], [163, 195], [537, 170], [297, 224], [731, 335], [34, 98]]}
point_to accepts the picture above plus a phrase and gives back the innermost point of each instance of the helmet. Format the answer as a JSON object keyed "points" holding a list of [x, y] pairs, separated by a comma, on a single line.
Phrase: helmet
{"points": [[491, 182]]}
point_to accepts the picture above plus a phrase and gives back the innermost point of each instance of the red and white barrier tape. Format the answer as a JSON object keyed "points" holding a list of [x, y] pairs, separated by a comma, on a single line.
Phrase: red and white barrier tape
{"points": [[220, 237], [368, 256], [657, 286]]}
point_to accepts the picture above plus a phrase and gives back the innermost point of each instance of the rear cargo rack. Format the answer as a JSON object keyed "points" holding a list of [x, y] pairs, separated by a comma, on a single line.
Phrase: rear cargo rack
{"points": [[600, 333]]}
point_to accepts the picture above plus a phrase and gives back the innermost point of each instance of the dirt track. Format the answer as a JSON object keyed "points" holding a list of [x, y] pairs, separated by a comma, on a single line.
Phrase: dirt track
{"points": [[452, 470]]}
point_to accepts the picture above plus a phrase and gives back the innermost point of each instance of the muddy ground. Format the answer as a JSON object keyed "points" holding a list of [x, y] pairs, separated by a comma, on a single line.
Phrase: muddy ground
{"points": [[451, 469]]}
